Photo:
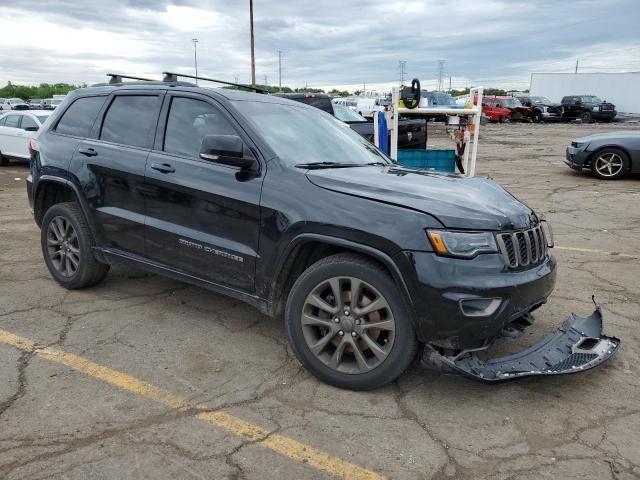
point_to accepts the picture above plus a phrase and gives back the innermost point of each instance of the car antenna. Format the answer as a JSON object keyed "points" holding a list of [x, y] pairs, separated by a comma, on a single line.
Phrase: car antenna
{"points": [[173, 77], [117, 78]]}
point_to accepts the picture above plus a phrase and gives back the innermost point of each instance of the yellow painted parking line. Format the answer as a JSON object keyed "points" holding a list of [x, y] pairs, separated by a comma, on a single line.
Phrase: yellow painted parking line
{"points": [[601, 252], [278, 443]]}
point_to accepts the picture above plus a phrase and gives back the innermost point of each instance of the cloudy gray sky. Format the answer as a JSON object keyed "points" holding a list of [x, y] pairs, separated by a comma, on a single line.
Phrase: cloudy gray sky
{"points": [[324, 43]]}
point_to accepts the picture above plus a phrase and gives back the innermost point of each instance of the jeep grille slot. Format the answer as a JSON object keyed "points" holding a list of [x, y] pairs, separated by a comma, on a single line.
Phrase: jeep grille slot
{"points": [[523, 248]]}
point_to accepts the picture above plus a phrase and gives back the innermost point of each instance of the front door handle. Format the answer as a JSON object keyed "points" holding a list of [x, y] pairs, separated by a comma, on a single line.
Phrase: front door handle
{"points": [[163, 167], [89, 152]]}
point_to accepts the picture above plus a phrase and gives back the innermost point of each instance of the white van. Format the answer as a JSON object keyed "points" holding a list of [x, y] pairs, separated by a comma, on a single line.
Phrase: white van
{"points": [[367, 106]]}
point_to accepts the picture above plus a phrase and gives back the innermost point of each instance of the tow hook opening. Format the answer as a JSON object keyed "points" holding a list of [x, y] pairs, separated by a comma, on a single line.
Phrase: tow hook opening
{"points": [[587, 344], [576, 346]]}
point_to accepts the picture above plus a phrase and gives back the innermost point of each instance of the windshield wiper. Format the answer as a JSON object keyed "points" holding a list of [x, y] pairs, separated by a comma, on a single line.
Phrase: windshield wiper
{"points": [[382, 164], [312, 165]]}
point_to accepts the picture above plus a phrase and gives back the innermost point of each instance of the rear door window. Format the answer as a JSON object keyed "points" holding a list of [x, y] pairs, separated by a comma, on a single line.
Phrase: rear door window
{"points": [[78, 119], [28, 122], [130, 119]]}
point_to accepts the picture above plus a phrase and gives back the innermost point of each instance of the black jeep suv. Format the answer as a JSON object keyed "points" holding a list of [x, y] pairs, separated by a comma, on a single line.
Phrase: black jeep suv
{"points": [[280, 205]]}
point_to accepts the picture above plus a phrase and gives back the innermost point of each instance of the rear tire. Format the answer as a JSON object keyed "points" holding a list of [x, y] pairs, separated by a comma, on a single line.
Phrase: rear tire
{"points": [[67, 247], [337, 339]]}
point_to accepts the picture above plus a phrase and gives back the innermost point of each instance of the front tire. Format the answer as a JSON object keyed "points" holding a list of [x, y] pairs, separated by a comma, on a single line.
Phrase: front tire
{"points": [[348, 323], [67, 247], [585, 117], [4, 161], [610, 164]]}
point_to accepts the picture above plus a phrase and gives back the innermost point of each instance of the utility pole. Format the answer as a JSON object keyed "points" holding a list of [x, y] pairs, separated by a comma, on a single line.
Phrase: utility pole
{"points": [[280, 70], [440, 72], [253, 52], [402, 64], [235, 78], [449, 83], [195, 55], [576, 65], [364, 88], [265, 80]]}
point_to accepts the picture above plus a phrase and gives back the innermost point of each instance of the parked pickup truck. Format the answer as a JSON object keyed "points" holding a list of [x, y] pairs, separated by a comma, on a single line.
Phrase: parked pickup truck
{"points": [[411, 133], [587, 108]]}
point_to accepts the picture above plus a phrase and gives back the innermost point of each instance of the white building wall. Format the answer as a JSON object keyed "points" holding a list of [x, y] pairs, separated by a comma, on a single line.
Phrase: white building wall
{"points": [[621, 89]]}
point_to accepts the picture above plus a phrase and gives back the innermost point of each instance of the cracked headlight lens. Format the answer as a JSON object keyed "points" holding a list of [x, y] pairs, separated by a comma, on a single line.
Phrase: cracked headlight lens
{"points": [[462, 244]]}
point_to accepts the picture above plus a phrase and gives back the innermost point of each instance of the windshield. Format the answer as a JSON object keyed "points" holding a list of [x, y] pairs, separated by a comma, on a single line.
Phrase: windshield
{"points": [[56, 101], [440, 98], [345, 114], [540, 100], [590, 99], [509, 102], [302, 135], [15, 100]]}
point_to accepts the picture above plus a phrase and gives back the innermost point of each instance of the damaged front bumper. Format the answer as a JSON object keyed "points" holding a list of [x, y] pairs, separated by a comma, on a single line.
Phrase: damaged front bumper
{"points": [[575, 347]]}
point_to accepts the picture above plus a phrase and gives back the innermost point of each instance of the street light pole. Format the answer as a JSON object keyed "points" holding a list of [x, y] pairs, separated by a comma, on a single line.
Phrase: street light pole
{"points": [[195, 55], [253, 53]]}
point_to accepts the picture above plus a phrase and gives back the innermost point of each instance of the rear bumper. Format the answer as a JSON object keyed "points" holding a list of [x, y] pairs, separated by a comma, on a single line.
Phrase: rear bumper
{"points": [[439, 286], [578, 345]]}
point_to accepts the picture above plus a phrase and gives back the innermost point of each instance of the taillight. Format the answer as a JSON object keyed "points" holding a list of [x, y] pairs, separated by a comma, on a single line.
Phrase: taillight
{"points": [[34, 146]]}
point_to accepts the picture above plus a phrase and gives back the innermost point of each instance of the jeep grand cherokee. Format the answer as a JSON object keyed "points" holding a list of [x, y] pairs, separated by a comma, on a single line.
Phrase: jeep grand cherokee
{"points": [[284, 207]]}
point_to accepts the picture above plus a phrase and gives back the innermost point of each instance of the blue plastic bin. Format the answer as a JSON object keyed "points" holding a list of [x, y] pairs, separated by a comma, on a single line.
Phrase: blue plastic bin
{"points": [[440, 160]]}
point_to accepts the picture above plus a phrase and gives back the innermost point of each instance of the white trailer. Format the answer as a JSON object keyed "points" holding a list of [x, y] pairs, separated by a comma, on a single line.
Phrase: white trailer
{"points": [[621, 89]]}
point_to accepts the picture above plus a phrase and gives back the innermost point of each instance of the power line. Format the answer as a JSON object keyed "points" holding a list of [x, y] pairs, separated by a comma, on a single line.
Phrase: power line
{"points": [[402, 65], [280, 70], [440, 73]]}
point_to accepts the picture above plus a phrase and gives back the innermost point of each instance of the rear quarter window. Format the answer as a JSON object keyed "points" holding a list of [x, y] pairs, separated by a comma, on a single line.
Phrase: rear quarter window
{"points": [[78, 119]]}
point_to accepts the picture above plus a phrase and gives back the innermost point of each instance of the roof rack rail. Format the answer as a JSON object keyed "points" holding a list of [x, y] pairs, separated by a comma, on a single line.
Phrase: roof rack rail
{"points": [[117, 78], [173, 77]]}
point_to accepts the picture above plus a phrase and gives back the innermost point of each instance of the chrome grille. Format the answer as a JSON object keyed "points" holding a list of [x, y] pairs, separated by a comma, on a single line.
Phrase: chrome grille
{"points": [[523, 248]]}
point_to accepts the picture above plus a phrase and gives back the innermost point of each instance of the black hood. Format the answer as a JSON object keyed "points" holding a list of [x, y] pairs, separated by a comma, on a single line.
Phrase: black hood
{"points": [[457, 202]]}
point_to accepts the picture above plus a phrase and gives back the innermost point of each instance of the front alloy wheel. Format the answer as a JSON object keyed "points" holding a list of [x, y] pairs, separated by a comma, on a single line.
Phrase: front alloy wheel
{"points": [[348, 325], [610, 164]]}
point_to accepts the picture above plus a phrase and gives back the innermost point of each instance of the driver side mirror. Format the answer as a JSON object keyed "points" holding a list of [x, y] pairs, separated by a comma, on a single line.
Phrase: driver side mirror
{"points": [[498, 105], [227, 150], [577, 102]]}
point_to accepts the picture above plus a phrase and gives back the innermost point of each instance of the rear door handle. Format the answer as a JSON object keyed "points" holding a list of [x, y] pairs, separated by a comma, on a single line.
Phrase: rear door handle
{"points": [[163, 167], [89, 152]]}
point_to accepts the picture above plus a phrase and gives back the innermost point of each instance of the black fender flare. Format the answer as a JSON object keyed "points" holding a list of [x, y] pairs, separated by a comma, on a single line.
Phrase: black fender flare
{"points": [[42, 180], [375, 253]]}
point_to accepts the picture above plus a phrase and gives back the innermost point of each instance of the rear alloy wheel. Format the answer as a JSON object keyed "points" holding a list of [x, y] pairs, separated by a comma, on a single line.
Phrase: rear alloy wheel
{"points": [[610, 164], [67, 247], [350, 332]]}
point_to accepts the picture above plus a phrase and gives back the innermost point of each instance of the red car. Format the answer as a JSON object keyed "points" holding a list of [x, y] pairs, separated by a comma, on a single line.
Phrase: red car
{"points": [[500, 109]]}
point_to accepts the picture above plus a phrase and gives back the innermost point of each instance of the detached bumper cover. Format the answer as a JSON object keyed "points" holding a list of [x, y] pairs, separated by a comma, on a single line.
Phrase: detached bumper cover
{"points": [[575, 347]]}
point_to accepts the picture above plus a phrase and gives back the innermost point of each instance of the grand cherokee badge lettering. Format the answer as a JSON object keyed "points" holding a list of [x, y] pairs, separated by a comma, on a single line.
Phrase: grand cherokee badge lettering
{"points": [[215, 251]]}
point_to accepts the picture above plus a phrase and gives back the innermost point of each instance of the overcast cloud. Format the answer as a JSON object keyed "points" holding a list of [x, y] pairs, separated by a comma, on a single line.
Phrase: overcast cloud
{"points": [[328, 43]]}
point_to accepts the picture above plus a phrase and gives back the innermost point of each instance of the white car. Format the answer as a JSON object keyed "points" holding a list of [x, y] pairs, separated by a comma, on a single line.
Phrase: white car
{"points": [[367, 106], [17, 128]]}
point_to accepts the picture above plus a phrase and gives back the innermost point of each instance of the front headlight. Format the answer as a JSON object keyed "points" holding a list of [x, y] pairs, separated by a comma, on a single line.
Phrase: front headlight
{"points": [[578, 144], [462, 244]]}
